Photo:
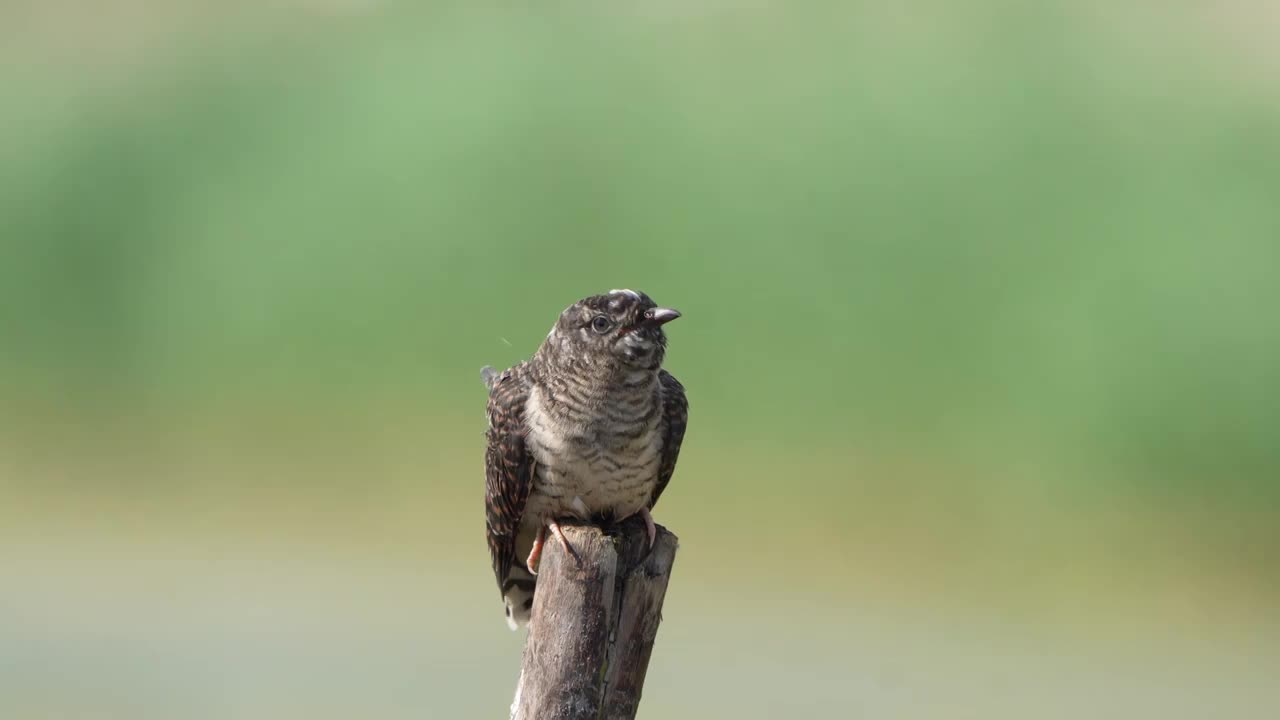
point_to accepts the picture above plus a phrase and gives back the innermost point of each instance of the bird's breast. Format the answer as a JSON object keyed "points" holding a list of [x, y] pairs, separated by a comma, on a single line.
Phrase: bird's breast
{"points": [[589, 468]]}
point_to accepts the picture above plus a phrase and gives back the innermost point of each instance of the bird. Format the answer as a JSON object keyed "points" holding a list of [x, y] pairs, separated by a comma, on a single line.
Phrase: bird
{"points": [[589, 428]]}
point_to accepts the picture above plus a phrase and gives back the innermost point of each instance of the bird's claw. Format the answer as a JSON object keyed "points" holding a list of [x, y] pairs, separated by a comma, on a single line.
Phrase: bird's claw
{"points": [[564, 542], [650, 528], [535, 553]]}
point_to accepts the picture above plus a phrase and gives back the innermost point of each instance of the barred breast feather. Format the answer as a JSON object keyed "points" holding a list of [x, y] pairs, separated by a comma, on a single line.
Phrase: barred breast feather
{"points": [[555, 451]]}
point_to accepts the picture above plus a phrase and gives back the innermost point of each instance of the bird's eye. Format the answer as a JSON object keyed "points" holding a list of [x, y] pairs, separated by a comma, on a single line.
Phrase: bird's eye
{"points": [[601, 324]]}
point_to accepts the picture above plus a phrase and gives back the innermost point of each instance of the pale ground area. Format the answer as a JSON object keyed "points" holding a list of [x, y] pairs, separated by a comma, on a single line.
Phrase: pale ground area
{"points": [[223, 619]]}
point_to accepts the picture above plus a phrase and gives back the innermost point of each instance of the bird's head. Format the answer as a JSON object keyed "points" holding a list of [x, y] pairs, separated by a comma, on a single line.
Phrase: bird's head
{"points": [[621, 328]]}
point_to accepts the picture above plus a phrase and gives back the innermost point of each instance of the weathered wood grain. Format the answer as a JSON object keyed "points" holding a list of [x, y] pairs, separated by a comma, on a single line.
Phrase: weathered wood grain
{"points": [[594, 622]]}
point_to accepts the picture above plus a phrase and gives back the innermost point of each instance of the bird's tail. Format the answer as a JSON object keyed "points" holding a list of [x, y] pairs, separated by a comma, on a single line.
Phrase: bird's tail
{"points": [[517, 594]]}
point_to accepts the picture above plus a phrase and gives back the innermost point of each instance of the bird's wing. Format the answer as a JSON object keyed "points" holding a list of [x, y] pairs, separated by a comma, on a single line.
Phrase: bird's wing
{"points": [[508, 468], [675, 411]]}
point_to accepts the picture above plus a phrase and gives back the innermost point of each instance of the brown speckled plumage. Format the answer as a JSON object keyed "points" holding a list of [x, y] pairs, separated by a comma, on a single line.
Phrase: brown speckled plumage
{"points": [[589, 428]]}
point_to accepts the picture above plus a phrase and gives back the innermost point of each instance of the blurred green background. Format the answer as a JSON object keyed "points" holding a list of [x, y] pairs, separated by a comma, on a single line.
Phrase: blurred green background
{"points": [[980, 340]]}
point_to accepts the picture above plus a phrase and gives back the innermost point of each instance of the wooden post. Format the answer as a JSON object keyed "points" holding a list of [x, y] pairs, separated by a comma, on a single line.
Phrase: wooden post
{"points": [[594, 622]]}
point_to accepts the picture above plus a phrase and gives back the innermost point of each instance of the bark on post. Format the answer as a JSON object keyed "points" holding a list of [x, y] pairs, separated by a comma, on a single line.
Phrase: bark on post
{"points": [[594, 622]]}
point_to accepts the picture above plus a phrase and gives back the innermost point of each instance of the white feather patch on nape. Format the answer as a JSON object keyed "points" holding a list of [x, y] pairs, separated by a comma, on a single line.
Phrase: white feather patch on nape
{"points": [[632, 293]]}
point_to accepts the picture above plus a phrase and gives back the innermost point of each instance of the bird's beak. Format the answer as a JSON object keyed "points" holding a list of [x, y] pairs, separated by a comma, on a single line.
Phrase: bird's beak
{"points": [[659, 316]]}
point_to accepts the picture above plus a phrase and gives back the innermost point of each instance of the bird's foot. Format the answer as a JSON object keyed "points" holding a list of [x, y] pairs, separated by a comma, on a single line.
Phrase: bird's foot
{"points": [[564, 542], [649, 527], [535, 554]]}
